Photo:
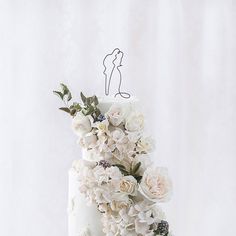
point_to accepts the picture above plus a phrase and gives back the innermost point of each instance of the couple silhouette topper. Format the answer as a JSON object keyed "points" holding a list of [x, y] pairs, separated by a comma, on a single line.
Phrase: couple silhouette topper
{"points": [[113, 78]]}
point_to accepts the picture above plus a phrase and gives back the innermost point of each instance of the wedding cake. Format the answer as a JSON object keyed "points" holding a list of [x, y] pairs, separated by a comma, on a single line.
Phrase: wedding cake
{"points": [[114, 188]]}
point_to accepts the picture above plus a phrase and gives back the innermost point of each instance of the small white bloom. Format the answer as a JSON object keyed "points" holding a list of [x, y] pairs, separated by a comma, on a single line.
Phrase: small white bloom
{"points": [[102, 126], [115, 115], [141, 227], [126, 147], [105, 145], [155, 184], [81, 124], [110, 225], [118, 135], [114, 173], [118, 205], [134, 136], [134, 122]]}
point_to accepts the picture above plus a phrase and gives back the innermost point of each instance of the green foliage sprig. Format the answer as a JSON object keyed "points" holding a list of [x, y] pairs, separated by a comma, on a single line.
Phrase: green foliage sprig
{"points": [[87, 107], [133, 171]]}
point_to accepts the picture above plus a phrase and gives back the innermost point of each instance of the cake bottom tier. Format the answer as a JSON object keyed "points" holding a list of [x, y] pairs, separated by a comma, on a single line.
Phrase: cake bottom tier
{"points": [[83, 220]]}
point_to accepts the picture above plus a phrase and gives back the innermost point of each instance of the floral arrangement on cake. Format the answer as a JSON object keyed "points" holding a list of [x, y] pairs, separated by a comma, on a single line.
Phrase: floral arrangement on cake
{"points": [[118, 175]]}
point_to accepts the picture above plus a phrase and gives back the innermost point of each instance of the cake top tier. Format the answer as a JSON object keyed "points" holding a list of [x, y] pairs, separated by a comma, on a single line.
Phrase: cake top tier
{"points": [[106, 102]]}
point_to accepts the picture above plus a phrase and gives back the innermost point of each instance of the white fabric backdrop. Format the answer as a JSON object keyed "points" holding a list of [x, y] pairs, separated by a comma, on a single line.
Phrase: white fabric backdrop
{"points": [[180, 60]]}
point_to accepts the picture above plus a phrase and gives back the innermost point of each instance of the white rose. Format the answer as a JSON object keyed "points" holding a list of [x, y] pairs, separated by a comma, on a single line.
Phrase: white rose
{"points": [[128, 185], [88, 141], [115, 115], [81, 124], [155, 184], [134, 122]]}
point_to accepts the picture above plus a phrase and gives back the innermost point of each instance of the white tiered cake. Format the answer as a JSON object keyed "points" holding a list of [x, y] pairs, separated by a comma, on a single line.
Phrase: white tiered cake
{"points": [[115, 188]]}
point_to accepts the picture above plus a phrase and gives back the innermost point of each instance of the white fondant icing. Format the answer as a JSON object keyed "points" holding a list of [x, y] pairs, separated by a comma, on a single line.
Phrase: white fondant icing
{"points": [[85, 232], [106, 102], [80, 215]]}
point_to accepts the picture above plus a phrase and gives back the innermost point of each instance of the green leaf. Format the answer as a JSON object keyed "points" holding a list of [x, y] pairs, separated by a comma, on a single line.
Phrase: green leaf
{"points": [[136, 168], [84, 111], [124, 172], [89, 100], [66, 109], [138, 178], [59, 94], [83, 98], [76, 106], [120, 166], [95, 100], [97, 112], [90, 110], [64, 88], [73, 112], [69, 97], [122, 169]]}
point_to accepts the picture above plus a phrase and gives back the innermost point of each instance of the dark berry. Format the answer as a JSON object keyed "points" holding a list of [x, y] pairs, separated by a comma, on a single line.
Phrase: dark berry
{"points": [[105, 164]]}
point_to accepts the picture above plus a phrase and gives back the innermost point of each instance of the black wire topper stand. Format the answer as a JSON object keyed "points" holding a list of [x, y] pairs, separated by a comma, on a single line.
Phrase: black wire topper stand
{"points": [[115, 65]]}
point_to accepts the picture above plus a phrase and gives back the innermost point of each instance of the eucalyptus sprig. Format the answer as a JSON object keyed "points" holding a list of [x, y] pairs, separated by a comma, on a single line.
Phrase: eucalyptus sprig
{"points": [[87, 107], [90, 105]]}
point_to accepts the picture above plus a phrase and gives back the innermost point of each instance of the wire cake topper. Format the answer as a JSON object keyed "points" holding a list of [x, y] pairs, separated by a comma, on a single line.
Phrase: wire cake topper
{"points": [[115, 58]]}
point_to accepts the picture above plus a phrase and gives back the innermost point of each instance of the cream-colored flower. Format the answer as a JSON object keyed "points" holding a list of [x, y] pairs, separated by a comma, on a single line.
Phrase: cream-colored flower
{"points": [[115, 115], [155, 184], [118, 205], [128, 185], [81, 124], [102, 126], [134, 122]]}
